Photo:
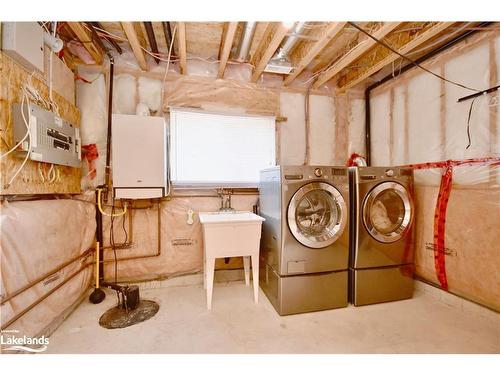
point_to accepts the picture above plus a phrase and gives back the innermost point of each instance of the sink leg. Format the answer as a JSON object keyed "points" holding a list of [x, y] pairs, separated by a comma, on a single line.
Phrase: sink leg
{"points": [[204, 273], [255, 275], [246, 265], [210, 268]]}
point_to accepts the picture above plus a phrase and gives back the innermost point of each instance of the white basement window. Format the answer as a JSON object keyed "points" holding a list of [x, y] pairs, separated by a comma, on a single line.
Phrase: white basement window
{"points": [[210, 149]]}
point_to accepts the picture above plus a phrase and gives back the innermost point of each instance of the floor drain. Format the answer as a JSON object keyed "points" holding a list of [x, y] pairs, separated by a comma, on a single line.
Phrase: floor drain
{"points": [[117, 317]]}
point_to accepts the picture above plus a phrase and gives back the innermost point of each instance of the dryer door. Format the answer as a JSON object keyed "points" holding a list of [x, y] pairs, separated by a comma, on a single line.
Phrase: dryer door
{"points": [[317, 215], [387, 212]]}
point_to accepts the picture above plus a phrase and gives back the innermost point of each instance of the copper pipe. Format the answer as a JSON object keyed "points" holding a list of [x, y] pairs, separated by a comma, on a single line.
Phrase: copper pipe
{"points": [[43, 277], [158, 251], [129, 243], [25, 310]]}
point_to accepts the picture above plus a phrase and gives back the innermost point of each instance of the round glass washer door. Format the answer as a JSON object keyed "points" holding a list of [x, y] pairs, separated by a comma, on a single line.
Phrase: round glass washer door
{"points": [[387, 212], [317, 215]]}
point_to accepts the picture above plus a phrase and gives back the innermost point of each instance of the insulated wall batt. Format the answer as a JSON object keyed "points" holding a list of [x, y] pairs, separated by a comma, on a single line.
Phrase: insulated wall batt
{"points": [[433, 127], [91, 99], [181, 243], [37, 237], [292, 131]]}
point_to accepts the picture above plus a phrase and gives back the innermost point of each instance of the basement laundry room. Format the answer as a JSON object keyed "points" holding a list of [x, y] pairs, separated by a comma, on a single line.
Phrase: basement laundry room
{"points": [[261, 183]]}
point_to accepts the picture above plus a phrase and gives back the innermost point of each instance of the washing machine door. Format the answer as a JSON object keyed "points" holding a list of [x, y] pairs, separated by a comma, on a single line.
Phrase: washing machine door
{"points": [[387, 212], [317, 215]]}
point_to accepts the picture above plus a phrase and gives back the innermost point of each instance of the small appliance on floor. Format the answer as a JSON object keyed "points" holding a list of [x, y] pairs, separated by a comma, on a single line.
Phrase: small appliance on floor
{"points": [[381, 250], [305, 237]]}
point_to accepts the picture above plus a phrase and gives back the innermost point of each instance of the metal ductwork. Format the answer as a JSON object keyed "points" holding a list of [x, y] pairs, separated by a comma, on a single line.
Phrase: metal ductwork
{"points": [[246, 41], [280, 63]]}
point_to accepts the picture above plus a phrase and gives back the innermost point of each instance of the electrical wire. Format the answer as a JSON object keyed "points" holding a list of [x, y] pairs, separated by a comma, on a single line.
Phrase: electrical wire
{"points": [[112, 243], [410, 60], [168, 64], [169, 183], [28, 133], [160, 56], [468, 122]]}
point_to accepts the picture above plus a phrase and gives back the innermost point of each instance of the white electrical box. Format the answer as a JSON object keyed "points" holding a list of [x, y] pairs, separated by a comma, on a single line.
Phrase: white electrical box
{"points": [[139, 157], [23, 41]]}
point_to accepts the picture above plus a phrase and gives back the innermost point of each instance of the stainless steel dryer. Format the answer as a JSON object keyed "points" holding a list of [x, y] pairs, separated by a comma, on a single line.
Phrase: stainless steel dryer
{"points": [[305, 238], [381, 250]]}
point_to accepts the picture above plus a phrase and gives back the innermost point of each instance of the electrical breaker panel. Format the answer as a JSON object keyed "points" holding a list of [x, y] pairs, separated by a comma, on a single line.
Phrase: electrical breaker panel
{"points": [[139, 156], [53, 140]]}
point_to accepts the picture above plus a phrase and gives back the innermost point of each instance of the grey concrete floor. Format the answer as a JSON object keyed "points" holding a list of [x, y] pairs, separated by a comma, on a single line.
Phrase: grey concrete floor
{"points": [[237, 325]]}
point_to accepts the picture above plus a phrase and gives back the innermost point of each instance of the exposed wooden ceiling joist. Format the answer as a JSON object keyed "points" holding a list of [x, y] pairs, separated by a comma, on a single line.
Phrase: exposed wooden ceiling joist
{"points": [[226, 47], [261, 31], [110, 40], [152, 39], [279, 34], [133, 39], [355, 53], [329, 33], [261, 46], [406, 48], [181, 35], [85, 38]]}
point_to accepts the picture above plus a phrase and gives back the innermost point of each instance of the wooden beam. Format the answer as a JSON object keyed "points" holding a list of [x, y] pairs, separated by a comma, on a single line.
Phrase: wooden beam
{"points": [[152, 39], [278, 36], [110, 40], [128, 28], [226, 47], [259, 49], [181, 35], [411, 45], [329, 33], [353, 54], [85, 38], [97, 39]]}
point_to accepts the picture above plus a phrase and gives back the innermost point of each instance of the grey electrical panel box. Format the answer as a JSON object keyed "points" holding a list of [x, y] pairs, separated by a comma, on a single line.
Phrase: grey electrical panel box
{"points": [[23, 41], [53, 139]]}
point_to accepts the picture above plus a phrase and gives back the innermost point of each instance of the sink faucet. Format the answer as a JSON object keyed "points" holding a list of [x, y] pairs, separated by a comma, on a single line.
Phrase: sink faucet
{"points": [[225, 200]]}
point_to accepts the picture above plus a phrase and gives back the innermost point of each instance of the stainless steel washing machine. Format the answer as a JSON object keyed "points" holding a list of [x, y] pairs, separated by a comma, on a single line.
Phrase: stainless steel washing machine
{"points": [[305, 238], [381, 250]]}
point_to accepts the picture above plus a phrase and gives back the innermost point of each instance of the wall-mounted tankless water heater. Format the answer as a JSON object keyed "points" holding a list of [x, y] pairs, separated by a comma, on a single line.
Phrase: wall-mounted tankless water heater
{"points": [[139, 157]]}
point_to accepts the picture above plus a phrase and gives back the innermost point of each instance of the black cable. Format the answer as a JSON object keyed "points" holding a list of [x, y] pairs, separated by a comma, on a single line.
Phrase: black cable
{"points": [[112, 243], [124, 229], [410, 60], [468, 122]]}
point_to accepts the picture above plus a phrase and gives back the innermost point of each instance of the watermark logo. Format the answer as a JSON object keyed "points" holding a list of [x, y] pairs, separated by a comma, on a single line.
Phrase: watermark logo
{"points": [[11, 342]]}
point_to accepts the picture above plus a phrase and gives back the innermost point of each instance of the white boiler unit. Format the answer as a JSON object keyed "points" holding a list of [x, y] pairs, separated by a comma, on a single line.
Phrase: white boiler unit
{"points": [[139, 157]]}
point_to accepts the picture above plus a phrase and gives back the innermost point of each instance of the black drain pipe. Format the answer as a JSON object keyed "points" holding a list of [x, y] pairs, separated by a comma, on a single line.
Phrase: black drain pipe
{"points": [[403, 70]]}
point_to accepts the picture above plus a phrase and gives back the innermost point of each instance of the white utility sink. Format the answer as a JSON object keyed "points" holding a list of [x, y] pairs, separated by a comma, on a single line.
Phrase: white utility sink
{"points": [[231, 234], [225, 217]]}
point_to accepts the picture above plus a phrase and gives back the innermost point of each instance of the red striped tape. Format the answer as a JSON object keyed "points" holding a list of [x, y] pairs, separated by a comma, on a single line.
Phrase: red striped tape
{"points": [[442, 205]]}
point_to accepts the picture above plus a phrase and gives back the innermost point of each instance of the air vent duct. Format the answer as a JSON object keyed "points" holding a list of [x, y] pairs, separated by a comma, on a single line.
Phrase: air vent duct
{"points": [[280, 62], [246, 41]]}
